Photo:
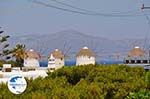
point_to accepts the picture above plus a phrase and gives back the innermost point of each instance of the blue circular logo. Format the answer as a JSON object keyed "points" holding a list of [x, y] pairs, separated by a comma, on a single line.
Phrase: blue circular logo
{"points": [[17, 84]]}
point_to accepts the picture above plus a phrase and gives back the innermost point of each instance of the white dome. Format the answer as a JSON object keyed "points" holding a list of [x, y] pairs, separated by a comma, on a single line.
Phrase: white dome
{"points": [[31, 50], [85, 47], [136, 47], [56, 49]]}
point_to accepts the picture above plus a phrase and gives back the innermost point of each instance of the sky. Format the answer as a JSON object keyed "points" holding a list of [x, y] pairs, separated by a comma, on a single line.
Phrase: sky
{"points": [[23, 17]]}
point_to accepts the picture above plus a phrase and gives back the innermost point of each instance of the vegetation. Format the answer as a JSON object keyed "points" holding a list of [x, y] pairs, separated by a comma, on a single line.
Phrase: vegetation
{"points": [[6, 54], [87, 82], [142, 94], [4, 51], [19, 53]]}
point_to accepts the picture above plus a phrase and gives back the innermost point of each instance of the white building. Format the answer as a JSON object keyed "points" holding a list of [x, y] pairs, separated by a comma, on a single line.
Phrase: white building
{"points": [[137, 57], [85, 56], [56, 60], [4, 76], [31, 59]]}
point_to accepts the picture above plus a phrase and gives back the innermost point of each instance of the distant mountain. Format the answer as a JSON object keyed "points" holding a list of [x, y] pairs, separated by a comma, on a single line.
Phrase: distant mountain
{"points": [[70, 41]]}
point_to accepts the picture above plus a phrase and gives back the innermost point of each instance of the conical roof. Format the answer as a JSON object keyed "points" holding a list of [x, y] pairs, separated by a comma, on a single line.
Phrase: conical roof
{"points": [[85, 51], [57, 54], [136, 52], [32, 54]]}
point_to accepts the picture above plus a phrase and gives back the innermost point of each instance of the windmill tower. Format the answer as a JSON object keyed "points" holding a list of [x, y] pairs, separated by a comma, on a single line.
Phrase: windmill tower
{"points": [[85, 56], [56, 60]]}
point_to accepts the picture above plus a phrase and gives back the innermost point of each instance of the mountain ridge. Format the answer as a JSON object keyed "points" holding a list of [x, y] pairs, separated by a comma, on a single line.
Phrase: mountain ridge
{"points": [[74, 40]]}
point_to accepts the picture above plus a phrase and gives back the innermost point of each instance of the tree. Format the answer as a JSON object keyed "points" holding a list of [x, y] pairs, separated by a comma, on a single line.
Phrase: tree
{"points": [[4, 51], [19, 53], [147, 79]]}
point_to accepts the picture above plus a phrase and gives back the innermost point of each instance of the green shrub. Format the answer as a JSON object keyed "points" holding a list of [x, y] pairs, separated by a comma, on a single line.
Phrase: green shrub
{"points": [[86, 82], [142, 94]]}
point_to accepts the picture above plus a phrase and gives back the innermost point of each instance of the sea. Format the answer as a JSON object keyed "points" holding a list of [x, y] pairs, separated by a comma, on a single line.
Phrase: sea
{"points": [[73, 62]]}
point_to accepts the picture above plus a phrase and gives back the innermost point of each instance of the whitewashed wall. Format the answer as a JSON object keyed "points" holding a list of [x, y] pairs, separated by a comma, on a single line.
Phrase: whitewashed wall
{"points": [[84, 60], [51, 64], [58, 63], [31, 63]]}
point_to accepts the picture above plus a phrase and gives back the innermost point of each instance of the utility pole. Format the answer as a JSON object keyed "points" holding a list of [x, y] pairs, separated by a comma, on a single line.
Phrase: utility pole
{"points": [[143, 7]]}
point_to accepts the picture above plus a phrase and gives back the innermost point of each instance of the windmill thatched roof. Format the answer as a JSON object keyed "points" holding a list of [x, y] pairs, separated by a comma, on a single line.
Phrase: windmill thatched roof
{"points": [[32, 54], [136, 52], [57, 54], [85, 51]]}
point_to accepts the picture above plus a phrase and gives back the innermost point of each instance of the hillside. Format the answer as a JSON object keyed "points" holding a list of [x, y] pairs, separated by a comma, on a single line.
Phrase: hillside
{"points": [[70, 41]]}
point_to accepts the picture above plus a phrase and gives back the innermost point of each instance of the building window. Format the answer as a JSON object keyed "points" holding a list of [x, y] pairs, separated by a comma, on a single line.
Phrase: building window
{"points": [[127, 61], [133, 61], [51, 60], [52, 68], [145, 61], [138, 61]]}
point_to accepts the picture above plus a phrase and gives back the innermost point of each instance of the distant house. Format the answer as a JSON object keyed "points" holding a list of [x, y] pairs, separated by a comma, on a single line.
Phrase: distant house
{"points": [[31, 59], [56, 60], [137, 56], [85, 56]]}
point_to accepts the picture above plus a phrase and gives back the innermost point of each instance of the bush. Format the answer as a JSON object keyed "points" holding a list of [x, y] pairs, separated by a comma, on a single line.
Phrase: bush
{"points": [[87, 82], [142, 94]]}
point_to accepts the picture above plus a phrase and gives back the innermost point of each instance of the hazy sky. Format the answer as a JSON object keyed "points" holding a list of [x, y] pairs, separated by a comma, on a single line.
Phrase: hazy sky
{"points": [[19, 17]]}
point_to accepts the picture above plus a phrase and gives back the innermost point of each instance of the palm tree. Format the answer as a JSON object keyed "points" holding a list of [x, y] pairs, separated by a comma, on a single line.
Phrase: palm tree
{"points": [[19, 53]]}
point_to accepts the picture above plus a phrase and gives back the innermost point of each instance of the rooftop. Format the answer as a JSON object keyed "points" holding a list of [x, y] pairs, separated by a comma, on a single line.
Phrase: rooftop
{"points": [[85, 51], [32, 54], [57, 54], [136, 52]]}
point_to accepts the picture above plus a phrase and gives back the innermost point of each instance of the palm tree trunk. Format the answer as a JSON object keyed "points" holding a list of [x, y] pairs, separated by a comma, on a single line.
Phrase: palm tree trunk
{"points": [[20, 63]]}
